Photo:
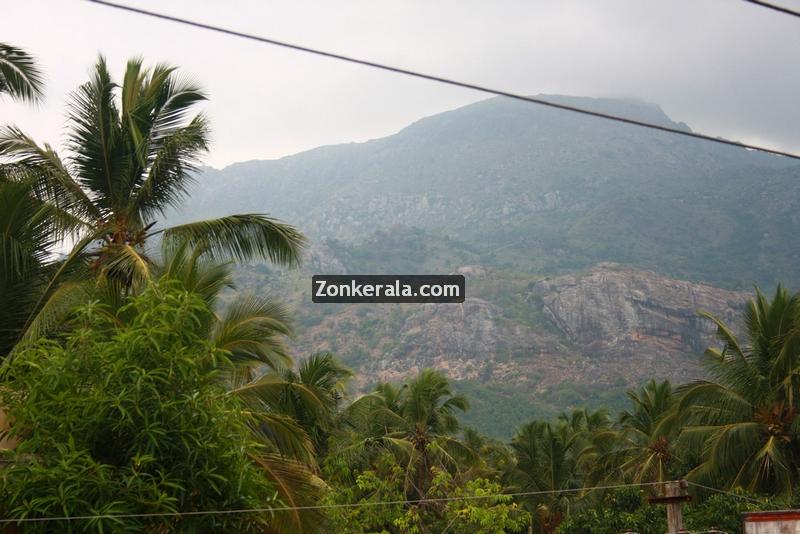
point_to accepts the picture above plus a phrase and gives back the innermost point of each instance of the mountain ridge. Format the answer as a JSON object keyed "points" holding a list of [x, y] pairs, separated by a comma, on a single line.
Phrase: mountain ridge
{"points": [[586, 245], [572, 190]]}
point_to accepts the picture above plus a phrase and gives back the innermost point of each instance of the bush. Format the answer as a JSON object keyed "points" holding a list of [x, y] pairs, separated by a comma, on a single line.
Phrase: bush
{"points": [[619, 511], [627, 510], [130, 417]]}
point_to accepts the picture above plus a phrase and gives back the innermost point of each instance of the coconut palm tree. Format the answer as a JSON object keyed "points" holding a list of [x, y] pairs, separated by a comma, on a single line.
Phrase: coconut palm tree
{"points": [[296, 410], [132, 151], [745, 421], [25, 237], [417, 422], [488, 458], [595, 440], [251, 328], [253, 331], [429, 412], [298, 407], [19, 76], [647, 449], [326, 378], [546, 460]]}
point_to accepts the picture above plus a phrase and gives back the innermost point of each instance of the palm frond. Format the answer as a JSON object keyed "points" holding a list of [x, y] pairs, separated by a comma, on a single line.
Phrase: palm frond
{"points": [[123, 265], [26, 231], [242, 238], [372, 409], [59, 274], [19, 76], [269, 390], [252, 329], [99, 153], [25, 240], [187, 264], [284, 436], [54, 182], [163, 149], [169, 173], [300, 490], [56, 309], [325, 373], [709, 401], [163, 105], [725, 334], [452, 453]]}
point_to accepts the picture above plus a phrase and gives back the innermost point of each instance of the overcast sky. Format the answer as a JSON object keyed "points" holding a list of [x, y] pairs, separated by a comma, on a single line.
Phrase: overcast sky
{"points": [[724, 67]]}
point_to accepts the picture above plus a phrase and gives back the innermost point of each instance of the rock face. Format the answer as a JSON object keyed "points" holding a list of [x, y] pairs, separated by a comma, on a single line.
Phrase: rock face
{"points": [[468, 341], [648, 321], [471, 341], [610, 326]]}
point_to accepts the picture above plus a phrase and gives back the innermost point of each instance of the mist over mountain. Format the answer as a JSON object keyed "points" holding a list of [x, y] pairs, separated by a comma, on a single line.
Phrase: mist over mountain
{"points": [[588, 248], [542, 190]]}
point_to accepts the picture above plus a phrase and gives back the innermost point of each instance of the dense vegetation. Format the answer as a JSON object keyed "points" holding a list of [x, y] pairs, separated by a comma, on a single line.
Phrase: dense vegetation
{"points": [[126, 414], [130, 394]]}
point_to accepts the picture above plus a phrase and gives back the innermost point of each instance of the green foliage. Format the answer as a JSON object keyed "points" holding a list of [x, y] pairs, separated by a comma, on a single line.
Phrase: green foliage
{"points": [[746, 420], [724, 512], [627, 510], [130, 417], [130, 411], [648, 437], [25, 238], [547, 456], [619, 511], [382, 483], [312, 396], [468, 508], [497, 410], [398, 444], [19, 76], [132, 150], [473, 505], [415, 422]]}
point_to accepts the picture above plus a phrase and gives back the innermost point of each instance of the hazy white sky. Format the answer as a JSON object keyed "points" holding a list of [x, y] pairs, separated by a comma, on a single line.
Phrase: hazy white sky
{"points": [[725, 67]]}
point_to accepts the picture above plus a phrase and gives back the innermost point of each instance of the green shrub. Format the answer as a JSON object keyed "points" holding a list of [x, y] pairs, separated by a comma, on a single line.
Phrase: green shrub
{"points": [[130, 417]]}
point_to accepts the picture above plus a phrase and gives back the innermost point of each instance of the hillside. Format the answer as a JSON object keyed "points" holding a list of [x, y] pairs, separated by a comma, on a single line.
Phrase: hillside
{"points": [[588, 248], [520, 345], [540, 190]]}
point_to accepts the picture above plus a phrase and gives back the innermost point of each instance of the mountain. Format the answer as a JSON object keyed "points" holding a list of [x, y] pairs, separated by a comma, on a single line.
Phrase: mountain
{"points": [[590, 326], [588, 247], [618, 315], [524, 345], [541, 190]]}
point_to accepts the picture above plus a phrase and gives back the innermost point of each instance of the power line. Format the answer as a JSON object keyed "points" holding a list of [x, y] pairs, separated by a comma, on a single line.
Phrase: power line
{"points": [[774, 7], [323, 506], [361, 504], [440, 79]]}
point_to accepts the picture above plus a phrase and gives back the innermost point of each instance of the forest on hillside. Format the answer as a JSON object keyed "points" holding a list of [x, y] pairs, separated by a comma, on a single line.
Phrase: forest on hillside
{"points": [[132, 400]]}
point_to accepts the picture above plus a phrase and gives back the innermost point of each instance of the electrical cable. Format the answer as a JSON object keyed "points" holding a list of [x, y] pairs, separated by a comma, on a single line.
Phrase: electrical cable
{"points": [[448, 81], [324, 506], [780, 9]]}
